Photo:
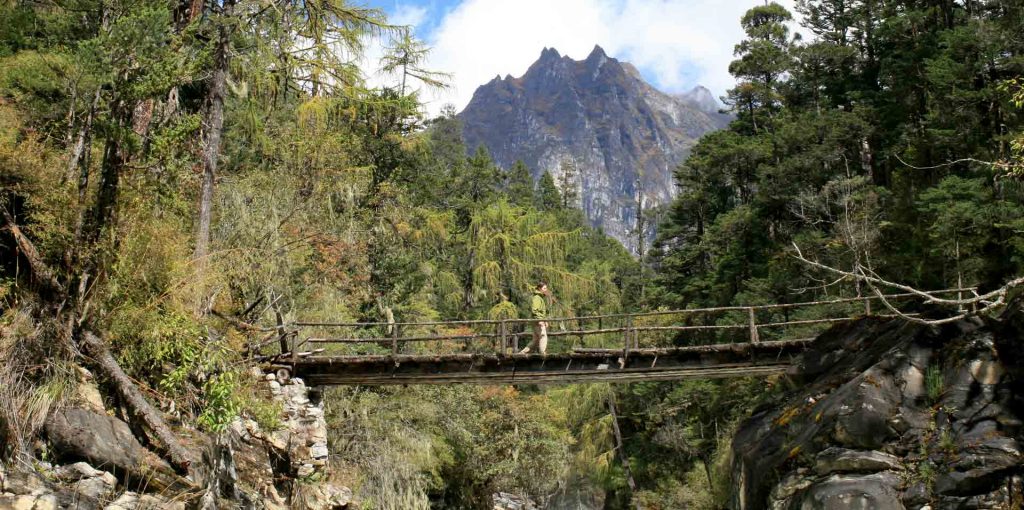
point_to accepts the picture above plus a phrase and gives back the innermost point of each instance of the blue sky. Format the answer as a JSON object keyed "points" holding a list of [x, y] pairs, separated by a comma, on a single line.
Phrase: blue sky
{"points": [[433, 11], [676, 44]]}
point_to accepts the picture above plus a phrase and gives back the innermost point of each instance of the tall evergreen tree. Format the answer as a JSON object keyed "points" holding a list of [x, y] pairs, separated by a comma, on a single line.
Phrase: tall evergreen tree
{"points": [[569, 184], [519, 185], [763, 58], [548, 196]]}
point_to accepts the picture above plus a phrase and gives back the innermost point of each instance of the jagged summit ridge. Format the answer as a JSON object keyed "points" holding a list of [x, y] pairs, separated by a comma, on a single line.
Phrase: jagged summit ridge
{"points": [[624, 136], [702, 98]]}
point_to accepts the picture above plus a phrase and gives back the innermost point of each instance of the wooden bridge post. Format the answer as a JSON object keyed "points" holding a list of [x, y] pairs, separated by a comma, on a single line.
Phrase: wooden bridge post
{"points": [[295, 349], [394, 339], [282, 335], [867, 306], [753, 325], [503, 336], [627, 334]]}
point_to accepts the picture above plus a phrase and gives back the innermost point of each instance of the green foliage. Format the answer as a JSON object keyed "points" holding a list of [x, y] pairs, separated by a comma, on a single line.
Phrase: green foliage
{"points": [[934, 384], [547, 197], [454, 444], [221, 403], [1014, 164], [407, 55], [519, 185], [872, 146]]}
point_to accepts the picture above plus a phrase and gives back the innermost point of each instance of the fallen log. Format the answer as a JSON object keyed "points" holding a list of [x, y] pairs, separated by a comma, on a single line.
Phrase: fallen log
{"points": [[97, 350]]}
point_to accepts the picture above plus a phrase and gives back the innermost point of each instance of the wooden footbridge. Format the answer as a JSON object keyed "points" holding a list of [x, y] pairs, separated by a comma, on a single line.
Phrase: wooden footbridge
{"points": [[733, 341]]}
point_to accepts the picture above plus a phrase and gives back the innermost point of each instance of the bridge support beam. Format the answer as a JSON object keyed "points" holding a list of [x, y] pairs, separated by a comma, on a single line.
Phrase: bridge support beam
{"points": [[612, 365]]}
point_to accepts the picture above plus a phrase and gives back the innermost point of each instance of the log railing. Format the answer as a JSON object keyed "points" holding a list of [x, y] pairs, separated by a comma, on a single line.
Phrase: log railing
{"points": [[304, 339]]}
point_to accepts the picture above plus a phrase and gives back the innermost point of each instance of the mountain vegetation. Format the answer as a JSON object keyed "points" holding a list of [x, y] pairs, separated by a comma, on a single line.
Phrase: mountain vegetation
{"points": [[176, 175]]}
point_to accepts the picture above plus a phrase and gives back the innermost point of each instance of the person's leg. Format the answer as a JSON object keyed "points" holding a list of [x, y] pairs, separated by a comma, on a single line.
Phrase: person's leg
{"points": [[536, 338], [542, 340]]}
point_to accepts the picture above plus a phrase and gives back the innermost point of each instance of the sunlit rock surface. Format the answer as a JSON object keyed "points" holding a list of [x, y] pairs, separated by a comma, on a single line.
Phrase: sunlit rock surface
{"points": [[601, 115]]}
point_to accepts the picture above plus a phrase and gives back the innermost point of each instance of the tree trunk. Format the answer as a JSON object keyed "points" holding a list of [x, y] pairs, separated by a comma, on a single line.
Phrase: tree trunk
{"points": [[867, 159], [621, 449], [110, 178], [79, 152], [104, 361], [213, 126]]}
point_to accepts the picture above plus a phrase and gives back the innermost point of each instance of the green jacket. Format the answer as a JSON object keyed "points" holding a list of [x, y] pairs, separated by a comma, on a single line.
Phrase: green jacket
{"points": [[539, 306]]}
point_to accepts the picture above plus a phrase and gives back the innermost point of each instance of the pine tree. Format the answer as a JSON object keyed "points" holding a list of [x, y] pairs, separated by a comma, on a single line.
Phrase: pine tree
{"points": [[763, 58], [569, 184], [548, 197], [481, 178], [519, 185], [406, 56]]}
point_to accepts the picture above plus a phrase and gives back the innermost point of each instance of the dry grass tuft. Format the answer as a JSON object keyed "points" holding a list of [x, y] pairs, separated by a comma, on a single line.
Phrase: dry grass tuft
{"points": [[30, 387]]}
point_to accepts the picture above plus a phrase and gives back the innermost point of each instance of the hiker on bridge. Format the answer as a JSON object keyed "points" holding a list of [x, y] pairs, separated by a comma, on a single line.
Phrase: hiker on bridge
{"points": [[539, 310]]}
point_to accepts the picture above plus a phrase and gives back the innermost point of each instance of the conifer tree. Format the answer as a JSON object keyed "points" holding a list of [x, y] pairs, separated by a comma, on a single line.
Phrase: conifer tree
{"points": [[569, 184], [548, 196], [763, 57], [406, 56], [479, 182], [519, 185]]}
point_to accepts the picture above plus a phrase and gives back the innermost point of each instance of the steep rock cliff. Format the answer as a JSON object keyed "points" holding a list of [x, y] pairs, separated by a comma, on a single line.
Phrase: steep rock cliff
{"points": [[618, 131], [890, 415]]}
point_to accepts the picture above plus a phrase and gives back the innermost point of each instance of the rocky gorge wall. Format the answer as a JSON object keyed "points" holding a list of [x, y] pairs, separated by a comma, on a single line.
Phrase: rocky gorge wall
{"points": [[97, 463], [890, 415]]}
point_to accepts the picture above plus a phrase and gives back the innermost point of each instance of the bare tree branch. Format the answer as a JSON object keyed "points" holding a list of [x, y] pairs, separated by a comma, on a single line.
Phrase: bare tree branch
{"points": [[988, 301], [995, 164]]}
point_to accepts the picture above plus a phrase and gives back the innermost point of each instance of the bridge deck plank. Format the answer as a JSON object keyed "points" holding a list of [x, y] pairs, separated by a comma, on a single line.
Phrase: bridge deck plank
{"points": [[706, 361]]}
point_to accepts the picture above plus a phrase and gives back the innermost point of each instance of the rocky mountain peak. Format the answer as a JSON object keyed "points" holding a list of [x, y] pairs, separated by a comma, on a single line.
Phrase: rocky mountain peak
{"points": [[549, 55], [625, 136], [702, 98], [597, 53]]}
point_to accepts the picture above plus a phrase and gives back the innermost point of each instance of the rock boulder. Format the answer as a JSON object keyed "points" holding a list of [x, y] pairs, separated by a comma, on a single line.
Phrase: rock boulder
{"points": [[891, 415]]}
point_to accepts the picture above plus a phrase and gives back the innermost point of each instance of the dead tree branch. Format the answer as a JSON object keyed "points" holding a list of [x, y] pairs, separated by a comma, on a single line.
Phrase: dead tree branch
{"points": [[978, 304], [39, 267]]}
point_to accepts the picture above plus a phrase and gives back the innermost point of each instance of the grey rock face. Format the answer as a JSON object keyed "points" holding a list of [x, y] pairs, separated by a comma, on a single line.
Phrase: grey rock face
{"points": [[506, 501], [891, 415], [133, 501], [79, 434], [79, 486], [624, 136], [87, 482], [702, 99], [840, 460], [877, 491]]}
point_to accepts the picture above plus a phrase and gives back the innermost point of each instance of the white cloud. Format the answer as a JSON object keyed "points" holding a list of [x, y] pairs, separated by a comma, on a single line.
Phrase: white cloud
{"points": [[408, 14], [677, 44]]}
